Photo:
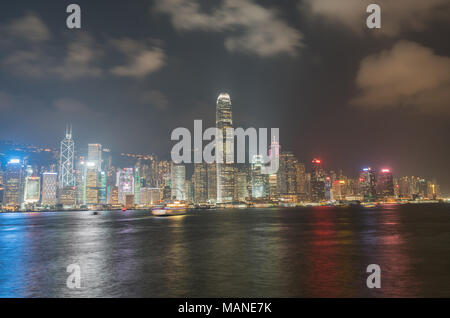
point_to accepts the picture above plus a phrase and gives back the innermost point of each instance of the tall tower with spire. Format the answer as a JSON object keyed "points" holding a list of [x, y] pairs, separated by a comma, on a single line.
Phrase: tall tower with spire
{"points": [[66, 175], [225, 171]]}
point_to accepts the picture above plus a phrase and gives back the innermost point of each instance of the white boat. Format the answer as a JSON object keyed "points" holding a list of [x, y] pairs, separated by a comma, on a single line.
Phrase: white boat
{"points": [[171, 209]]}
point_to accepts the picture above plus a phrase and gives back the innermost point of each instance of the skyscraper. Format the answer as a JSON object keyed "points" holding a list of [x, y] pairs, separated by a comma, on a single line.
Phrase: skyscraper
{"points": [[178, 181], [259, 181], [13, 183], [212, 182], [385, 183], [225, 171], [95, 155], [49, 181], [125, 183], [32, 193], [287, 174], [200, 180], [317, 182], [66, 175], [92, 184], [367, 183]]}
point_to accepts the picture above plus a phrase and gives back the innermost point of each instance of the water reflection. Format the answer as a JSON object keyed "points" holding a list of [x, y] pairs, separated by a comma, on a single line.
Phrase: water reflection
{"points": [[311, 252]]}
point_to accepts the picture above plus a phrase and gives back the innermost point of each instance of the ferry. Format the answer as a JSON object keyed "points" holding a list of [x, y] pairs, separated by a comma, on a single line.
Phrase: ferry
{"points": [[171, 209]]}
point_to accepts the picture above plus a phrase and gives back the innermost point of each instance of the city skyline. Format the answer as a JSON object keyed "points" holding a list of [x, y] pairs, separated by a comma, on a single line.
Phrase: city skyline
{"points": [[93, 179], [310, 77]]}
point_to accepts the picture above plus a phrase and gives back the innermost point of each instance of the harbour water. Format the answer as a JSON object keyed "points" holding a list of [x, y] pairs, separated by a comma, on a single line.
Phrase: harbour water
{"points": [[304, 252]]}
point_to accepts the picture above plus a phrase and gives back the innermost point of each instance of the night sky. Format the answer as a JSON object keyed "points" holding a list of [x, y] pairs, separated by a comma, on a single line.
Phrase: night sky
{"points": [[139, 69]]}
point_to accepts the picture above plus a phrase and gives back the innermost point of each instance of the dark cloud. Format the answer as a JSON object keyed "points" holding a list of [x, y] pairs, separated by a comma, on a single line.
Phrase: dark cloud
{"points": [[156, 99]]}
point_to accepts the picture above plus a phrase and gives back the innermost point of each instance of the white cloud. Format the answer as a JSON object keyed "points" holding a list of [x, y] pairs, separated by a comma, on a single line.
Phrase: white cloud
{"points": [[409, 76], [248, 27], [142, 59], [29, 27], [80, 60], [397, 16]]}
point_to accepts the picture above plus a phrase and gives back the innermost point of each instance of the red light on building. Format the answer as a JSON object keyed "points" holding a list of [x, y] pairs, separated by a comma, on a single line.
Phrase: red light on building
{"points": [[385, 170], [317, 161]]}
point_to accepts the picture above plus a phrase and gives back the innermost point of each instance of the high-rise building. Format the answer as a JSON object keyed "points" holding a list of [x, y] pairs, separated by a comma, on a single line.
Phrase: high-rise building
{"points": [[80, 181], [67, 153], [300, 174], [317, 181], [225, 170], [137, 184], [287, 174], [49, 188], [67, 197], [125, 183], [149, 196], [95, 155], [163, 171], [242, 186], [260, 181], [367, 183], [212, 182], [102, 188], [178, 181], [189, 191], [13, 183], [92, 184], [32, 193], [200, 183], [385, 183], [113, 195], [338, 190]]}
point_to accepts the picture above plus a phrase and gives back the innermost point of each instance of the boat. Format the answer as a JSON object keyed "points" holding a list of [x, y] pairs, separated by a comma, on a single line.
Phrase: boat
{"points": [[171, 209]]}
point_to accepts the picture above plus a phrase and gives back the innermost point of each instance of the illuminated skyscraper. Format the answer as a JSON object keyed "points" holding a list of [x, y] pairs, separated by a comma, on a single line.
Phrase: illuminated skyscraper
{"points": [[212, 182], [13, 183], [113, 195], [163, 174], [32, 193], [259, 181], [300, 182], [95, 155], [287, 174], [225, 171], [385, 183], [102, 188], [80, 181], [317, 182], [66, 175], [92, 184], [125, 183], [49, 182], [367, 183], [178, 181], [200, 183], [137, 184]]}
